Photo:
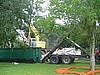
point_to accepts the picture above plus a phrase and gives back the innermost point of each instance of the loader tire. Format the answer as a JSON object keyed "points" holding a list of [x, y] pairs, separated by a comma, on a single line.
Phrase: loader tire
{"points": [[66, 59], [54, 60]]}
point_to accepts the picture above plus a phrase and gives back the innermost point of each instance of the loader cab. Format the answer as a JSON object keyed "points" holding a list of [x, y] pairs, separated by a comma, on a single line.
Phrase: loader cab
{"points": [[33, 42]]}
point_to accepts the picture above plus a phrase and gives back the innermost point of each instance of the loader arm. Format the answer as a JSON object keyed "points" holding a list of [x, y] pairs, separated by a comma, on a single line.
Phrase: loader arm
{"points": [[37, 41], [34, 30]]}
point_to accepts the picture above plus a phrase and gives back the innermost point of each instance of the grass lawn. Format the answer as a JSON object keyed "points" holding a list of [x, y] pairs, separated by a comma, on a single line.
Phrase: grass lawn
{"points": [[39, 68]]}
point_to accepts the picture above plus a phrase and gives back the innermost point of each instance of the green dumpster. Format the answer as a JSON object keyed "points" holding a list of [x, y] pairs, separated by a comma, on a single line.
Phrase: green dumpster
{"points": [[21, 55]]}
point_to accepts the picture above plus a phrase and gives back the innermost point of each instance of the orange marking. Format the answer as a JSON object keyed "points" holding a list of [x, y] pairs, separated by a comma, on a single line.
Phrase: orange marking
{"points": [[66, 71]]}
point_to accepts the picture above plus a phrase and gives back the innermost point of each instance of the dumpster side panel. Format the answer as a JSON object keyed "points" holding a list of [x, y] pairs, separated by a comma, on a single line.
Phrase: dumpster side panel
{"points": [[20, 55], [37, 55], [5, 55]]}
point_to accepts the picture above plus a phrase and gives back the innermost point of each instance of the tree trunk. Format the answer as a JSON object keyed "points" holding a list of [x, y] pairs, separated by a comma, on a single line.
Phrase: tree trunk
{"points": [[92, 54]]}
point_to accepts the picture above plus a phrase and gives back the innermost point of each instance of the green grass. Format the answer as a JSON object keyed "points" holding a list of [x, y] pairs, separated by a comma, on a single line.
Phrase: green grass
{"points": [[39, 68]]}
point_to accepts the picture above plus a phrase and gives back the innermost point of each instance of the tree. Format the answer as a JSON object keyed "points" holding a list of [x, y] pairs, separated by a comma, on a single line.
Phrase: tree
{"points": [[16, 14], [11, 16], [82, 14]]}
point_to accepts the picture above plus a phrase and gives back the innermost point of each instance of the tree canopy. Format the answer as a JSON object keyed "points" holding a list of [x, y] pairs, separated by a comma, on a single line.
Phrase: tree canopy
{"points": [[11, 16], [16, 14], [78, 18]]}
